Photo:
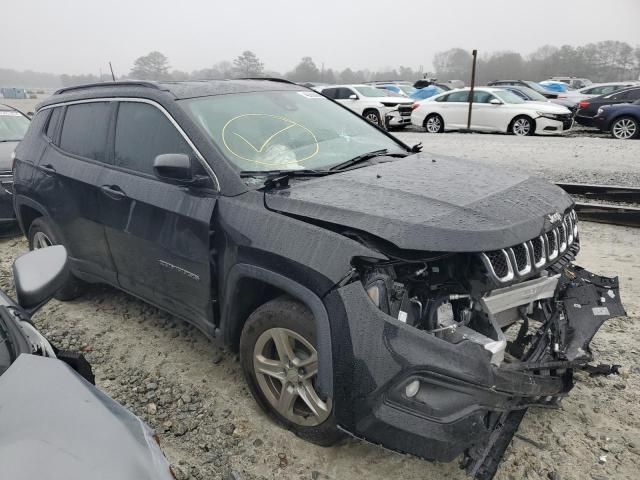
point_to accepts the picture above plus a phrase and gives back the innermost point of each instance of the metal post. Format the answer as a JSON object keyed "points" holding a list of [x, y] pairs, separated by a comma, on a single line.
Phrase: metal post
{"points": [[473, 84], [113, 77]]}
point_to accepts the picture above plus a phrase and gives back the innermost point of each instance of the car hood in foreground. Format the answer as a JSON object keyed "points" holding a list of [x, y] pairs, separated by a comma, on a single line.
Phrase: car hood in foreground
{"points": [[6, 149], [56, 425], [424, 202]]}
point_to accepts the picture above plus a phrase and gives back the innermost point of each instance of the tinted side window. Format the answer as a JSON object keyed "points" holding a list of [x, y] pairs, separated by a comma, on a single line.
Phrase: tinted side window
{"points": [[344, 93], [330, 92], [633, 94], [482, 97], [54, 118], [84, 131], [459, 96], [142, 133]]}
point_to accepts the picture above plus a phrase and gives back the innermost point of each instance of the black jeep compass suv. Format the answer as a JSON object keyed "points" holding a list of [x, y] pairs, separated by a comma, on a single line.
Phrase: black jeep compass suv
{"points": [[418, 302]]}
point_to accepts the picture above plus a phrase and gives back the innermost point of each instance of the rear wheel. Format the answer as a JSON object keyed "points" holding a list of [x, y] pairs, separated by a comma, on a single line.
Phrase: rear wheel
{"points": [[42, 235], [522, 126], [280, 364], [625, 128], [434, 123]]}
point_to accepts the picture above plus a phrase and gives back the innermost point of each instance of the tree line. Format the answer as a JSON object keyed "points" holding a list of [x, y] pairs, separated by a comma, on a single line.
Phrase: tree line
{"points": [[600, 62]]}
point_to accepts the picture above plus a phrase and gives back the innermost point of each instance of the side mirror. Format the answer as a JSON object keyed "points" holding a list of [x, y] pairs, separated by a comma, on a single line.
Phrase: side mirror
{"points": [[38, 275], [174, 167], [353, 96], [495, 101]]}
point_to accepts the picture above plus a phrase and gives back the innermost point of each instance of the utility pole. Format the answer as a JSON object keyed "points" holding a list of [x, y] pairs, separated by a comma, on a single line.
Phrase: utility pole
{"points": [[473, 84]]}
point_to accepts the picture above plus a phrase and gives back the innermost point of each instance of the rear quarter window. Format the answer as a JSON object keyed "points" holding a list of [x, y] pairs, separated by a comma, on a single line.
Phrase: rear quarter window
{"points": [[84, 131]]}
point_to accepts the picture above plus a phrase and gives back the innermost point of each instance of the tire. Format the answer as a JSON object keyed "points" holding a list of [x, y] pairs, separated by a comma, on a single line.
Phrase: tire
{"points": [[373, 116], [433, 123], [288, 322], [522, 126], [41, 235], [625, 128]]}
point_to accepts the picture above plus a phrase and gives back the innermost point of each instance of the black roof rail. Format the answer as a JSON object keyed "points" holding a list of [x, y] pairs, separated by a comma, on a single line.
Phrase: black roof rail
{"points": [[270, 79], [124, 83]]}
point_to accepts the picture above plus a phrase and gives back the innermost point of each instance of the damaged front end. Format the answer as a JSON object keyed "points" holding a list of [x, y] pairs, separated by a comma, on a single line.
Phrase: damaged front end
{"points": [[451, 349]]}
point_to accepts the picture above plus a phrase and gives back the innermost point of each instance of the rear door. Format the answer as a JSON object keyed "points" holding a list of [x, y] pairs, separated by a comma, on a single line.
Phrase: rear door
{"points": [[67, 183], [158, 232], [454, 109]]}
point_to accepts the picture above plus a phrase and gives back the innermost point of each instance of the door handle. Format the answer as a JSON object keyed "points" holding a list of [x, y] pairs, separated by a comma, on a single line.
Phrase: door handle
{"points": [[48, 168], [113, 191]]}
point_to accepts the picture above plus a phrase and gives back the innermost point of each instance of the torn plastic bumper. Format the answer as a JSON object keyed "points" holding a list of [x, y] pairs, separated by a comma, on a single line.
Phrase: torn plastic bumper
{"points": [[413, 392]]}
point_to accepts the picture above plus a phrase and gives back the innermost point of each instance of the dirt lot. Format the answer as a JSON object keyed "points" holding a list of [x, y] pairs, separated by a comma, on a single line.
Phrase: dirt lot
{"points": [[192, 392]]}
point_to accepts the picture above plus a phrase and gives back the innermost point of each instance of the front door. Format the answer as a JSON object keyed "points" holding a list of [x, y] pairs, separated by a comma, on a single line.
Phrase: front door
{"points": [[158, 232]]}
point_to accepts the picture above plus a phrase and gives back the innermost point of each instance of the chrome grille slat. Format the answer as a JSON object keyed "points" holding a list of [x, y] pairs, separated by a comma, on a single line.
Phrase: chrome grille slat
{"points": [[520, 260]]}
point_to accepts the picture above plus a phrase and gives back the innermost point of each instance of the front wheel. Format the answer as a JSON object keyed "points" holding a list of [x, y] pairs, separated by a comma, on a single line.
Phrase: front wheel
{"points": [[373, 116], [625, 128], [280, 364], [42, 235], [522, 126]]}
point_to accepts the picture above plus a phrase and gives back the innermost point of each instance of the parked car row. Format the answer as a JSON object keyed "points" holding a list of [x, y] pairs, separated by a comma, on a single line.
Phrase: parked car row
{"points": [[520, 110]]}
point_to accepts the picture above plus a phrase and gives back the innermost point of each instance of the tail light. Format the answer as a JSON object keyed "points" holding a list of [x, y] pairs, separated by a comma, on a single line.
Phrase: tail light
{"points": [[415, 105], [583, 104]]}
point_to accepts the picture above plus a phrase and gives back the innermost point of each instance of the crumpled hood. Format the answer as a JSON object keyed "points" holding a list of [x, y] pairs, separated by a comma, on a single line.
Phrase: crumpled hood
{"points": [[6, 149], [424, 202]]}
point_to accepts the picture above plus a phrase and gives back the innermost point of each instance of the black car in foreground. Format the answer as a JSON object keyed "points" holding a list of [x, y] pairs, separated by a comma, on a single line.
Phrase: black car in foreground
{"points": [[13, 126], [415, 301], [588, 109], [54, 422]]}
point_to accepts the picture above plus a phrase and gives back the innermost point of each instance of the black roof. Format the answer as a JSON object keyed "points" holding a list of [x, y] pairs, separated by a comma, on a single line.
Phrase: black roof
{"points": [[187, 89]]}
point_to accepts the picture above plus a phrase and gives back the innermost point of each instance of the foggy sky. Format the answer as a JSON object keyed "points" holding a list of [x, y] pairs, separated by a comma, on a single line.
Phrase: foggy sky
{"points": [[81, 36]]}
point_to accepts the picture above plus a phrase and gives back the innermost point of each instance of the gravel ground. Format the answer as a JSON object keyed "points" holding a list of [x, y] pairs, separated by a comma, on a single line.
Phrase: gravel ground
{"points": [[192, 392], [584, 156]]}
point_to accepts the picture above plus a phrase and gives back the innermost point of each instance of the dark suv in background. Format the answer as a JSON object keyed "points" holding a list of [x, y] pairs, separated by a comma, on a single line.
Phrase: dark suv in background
{"points": [[418, 302], [13, 126]]}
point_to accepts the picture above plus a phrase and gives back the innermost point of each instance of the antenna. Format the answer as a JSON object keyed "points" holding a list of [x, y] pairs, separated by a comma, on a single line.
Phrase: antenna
{"points": [[113, 77]]}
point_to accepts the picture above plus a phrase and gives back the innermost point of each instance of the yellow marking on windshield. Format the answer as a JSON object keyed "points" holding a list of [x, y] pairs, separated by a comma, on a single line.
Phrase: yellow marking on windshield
{"points": [[261, 149]]}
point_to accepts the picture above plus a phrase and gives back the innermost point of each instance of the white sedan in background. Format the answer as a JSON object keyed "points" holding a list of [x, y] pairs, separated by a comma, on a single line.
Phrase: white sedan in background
{"points": [[494, 110]]}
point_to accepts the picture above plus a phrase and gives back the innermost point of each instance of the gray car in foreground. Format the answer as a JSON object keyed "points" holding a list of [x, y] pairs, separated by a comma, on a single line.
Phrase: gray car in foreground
{"points": [[54, 423]]}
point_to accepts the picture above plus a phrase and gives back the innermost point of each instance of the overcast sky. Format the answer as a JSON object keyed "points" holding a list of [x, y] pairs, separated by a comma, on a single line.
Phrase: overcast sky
{"points": [[81, 36]]}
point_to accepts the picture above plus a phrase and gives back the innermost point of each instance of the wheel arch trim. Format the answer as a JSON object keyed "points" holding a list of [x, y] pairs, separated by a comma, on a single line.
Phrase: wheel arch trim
{"points": [[300, 293]]}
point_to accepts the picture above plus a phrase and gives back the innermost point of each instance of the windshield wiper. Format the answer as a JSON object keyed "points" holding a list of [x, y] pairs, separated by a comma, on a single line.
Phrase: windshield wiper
{"points": [[274, 178], [367, 156], [2, 141]]}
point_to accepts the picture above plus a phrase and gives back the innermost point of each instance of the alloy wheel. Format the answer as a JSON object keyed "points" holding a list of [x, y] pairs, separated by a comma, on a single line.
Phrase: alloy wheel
{"points": [[522, 127], [40, 240], [373, 118], [286, 366], [433, 125], [624, 129]]}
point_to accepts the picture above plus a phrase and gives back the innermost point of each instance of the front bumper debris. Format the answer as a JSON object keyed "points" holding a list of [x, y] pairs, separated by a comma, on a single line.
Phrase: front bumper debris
{"points": [[464, 403]]}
